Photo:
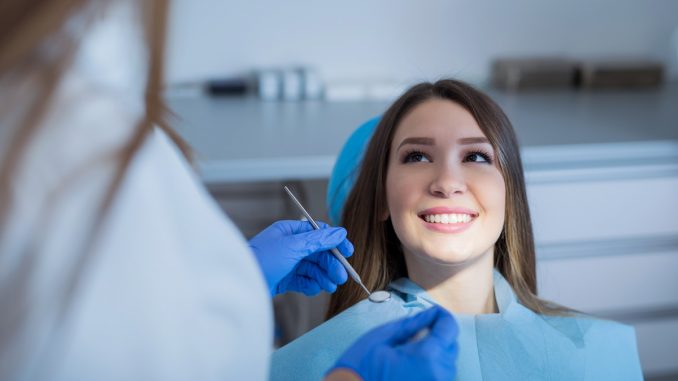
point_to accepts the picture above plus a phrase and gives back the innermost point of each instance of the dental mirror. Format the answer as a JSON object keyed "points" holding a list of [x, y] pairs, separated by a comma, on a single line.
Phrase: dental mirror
{"points": [[379, 296]]}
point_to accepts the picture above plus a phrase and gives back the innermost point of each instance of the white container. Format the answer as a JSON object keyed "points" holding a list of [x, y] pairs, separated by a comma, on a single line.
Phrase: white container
{"points": [[269, 84], [292, 84], [312, 84]]}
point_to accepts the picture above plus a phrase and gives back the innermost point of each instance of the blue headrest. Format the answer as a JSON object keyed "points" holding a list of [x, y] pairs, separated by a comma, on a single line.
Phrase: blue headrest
{"points": [[346, 168]]}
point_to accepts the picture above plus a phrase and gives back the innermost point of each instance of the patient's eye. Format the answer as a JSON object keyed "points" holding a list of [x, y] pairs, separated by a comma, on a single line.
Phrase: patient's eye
{"points": [[478, 157], [415, 156]]}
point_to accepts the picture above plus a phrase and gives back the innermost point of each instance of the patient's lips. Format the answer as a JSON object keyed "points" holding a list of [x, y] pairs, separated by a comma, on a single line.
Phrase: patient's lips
{"points": [[448, 219]]}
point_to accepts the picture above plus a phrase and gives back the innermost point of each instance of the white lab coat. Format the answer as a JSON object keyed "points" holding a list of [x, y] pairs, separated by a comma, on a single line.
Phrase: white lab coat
{"points": [[171, 290]]}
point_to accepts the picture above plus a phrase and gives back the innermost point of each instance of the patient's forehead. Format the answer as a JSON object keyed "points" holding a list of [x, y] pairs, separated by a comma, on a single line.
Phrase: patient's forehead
{"points": [[437, 118]]}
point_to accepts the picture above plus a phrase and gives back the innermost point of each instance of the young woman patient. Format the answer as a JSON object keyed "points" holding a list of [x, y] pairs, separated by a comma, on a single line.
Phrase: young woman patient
{"points": [[438, 214]]}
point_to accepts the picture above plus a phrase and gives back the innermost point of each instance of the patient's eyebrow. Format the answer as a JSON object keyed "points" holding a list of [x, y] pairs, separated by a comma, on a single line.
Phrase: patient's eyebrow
{"points": [[431, 141], [473, 140], [416, 140]]}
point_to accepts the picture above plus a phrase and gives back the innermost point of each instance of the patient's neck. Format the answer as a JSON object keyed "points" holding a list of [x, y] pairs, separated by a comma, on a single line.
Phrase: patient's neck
{"points": [[466, 288]]}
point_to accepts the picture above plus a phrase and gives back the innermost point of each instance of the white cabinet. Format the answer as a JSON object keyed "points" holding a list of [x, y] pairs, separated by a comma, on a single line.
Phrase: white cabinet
{"points": [[605, 219]]}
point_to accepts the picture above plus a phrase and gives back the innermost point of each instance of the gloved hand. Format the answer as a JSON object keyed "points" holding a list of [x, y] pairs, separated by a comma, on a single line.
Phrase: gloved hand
{"points": [[391, 352], [294, 257]]}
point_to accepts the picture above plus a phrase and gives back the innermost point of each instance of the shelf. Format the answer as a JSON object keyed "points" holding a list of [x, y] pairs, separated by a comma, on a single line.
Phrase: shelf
{"points": [[245, 139]]}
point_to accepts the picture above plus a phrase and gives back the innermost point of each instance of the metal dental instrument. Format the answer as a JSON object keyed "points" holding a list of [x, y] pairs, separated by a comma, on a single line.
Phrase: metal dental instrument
{"points": [[334, 251]]}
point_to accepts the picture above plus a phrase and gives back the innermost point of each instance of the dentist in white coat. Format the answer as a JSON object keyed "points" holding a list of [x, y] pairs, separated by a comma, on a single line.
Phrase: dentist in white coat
{"points": [[115, 262]]}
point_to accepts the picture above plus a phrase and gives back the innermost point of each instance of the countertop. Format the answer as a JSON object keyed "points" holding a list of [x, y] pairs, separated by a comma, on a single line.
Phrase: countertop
{"points": [[245, 139]]}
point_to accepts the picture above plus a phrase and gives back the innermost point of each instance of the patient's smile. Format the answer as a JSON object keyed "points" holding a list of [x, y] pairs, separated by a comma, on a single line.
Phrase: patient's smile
{"points": [[443, 215], [447, 218]]}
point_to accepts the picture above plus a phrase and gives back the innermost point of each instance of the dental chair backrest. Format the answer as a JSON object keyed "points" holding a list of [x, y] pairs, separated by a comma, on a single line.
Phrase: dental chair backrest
{"points": [[346, 169]]}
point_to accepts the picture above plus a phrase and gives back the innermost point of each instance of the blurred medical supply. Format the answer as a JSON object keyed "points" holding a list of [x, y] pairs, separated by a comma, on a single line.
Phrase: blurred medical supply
{"points": [[366, 89], [312, 84], [568, 73], [533, 73], [294, 83], [269, 86], [621, 73], [236, 86]]}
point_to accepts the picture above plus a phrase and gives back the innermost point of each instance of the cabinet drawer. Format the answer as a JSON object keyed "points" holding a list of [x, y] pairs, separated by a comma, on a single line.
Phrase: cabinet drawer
{"points": [[612, 284], [592, 210], [657, 347]]}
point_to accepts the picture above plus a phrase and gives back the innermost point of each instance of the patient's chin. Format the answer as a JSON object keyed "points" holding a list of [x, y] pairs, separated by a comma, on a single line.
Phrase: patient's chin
{"points": [[448, 258]]}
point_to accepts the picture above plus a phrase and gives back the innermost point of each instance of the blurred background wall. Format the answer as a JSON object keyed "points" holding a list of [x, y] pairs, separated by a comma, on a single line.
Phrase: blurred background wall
{"points": [[410, 40]]}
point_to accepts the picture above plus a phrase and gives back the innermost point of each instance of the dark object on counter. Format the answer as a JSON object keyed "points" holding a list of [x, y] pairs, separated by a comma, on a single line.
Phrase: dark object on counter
{"points": [[533, 73], [618, 74], [227, 87]]}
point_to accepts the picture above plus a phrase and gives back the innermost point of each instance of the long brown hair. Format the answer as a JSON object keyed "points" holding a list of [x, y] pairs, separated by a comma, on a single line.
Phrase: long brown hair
{"points": [[379, 258], [36, 49]]}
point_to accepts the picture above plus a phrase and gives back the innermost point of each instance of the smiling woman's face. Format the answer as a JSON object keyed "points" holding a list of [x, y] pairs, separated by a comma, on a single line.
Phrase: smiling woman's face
{"points": [[445, 193]]}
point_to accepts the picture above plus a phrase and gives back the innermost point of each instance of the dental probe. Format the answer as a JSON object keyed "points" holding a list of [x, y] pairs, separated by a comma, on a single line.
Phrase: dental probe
{"points": [[334, 250]]}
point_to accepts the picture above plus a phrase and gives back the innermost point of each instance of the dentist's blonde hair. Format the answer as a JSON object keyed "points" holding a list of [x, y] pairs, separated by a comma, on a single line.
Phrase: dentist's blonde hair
{"points": [[36, 49]]}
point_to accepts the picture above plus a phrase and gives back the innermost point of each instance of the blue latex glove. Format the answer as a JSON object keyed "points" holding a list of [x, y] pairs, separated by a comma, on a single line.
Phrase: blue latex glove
{"points": [[294, 257], [392, 352]]}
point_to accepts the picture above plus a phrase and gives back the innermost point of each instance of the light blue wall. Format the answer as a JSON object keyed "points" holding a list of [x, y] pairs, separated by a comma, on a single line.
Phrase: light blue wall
{"points": [[408, 39]]}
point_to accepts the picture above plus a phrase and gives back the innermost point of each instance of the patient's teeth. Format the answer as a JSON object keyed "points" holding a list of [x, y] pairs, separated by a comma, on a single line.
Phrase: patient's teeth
{"points": [[447, 218]]}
